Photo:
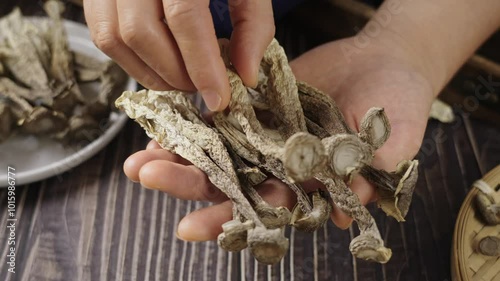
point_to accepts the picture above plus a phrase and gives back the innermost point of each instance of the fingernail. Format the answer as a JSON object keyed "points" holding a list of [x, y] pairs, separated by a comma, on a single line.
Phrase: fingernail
{"points": [[212, 100], [255, 78]]}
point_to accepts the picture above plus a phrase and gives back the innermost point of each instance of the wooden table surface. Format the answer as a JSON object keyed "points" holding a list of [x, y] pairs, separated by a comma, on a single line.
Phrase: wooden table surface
{"points": [[92, 223]]}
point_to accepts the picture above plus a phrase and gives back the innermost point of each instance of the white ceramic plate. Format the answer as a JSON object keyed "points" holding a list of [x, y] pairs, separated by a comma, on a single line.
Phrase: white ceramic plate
{"points": [[37, 158]]}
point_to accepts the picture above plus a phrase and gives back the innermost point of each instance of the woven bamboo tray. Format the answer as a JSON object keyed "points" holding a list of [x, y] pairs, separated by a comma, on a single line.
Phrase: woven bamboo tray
{"points": [[466, 263]]}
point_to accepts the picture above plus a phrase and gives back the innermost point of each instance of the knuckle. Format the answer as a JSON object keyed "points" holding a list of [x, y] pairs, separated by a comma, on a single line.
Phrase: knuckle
{"points": [[132, 34], [171, 74], [177, 10], [105, 37], [150, 82]]}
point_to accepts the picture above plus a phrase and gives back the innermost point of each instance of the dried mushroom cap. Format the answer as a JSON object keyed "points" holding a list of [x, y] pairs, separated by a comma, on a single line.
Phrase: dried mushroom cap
{"points": [[316, 218], [304, 156], [268, 246], [394, 190], [273, 217], [370, 248], [375, 128], [346, 154], [234, 235]]}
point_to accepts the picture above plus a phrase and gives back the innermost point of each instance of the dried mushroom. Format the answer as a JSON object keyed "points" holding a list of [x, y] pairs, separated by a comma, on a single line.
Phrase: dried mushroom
{"points": [[489, 246], [394, 189], [304, 137], [43, 121], [204, 147], [39, 78], [488, 202]]}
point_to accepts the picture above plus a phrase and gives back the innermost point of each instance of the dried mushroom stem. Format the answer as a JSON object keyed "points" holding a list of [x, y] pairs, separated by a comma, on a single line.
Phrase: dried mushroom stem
{"points": [[320, 109], [272, 217], [369, 244], [394, 189], [346, 154], [308, 215], [231, 130], [241, 108], [203, 147], [243, 112]]}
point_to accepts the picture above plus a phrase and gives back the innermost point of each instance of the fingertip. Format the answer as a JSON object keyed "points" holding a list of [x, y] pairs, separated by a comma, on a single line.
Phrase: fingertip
{"points": [[153, 145], [217, 100], [204, 224], [189, 230], [131, 168], [213, 99], [147, 175]]}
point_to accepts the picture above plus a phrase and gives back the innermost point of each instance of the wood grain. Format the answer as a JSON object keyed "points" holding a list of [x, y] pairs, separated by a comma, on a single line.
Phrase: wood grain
{"points": [[92, 223]]}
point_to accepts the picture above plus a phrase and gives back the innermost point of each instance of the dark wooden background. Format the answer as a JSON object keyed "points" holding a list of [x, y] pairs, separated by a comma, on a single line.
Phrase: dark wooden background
{"points": [[92, 223]]}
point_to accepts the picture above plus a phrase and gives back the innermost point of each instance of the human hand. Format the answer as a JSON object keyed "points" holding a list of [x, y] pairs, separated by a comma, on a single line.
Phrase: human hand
{"points": [[171, 44], [377, 76]]}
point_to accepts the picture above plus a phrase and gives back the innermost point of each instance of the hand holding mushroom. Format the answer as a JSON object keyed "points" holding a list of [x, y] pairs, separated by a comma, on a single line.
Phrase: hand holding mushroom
{"points": [[309, 138]]}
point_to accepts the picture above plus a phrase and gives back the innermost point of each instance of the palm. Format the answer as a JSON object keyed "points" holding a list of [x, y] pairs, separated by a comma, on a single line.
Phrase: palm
{"points": [[371, 79], [366, 80]]}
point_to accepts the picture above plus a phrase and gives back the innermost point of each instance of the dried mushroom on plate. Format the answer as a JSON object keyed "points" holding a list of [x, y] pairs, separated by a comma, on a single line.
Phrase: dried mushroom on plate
{"points": [[306, 138], [40, 79]]}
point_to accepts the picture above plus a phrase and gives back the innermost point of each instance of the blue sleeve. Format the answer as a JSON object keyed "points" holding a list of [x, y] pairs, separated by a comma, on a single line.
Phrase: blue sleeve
{"points": [[222, 21]]}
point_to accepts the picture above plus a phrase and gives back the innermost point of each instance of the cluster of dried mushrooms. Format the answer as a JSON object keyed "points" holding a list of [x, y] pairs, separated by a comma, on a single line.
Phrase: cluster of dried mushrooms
{"points": [[40, 77], [307, 138]]}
